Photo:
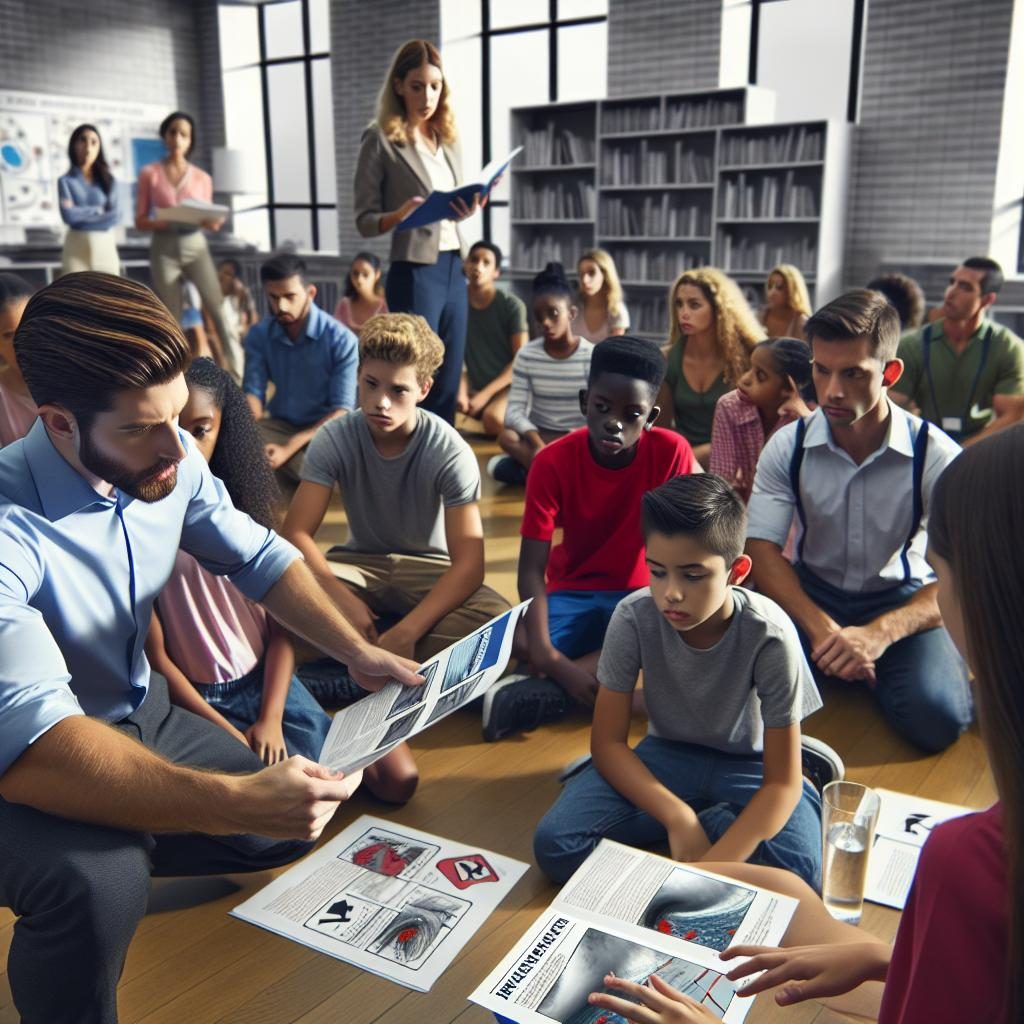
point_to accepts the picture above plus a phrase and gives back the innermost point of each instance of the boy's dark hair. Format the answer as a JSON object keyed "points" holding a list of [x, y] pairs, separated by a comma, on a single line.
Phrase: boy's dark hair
{"points": [[552, 281], [88, 335], [180, 115], [905, 295], [632, 357], [281, 266], [792, 358], [858, 314], [239, 458], [992, 280], [702, 506], [490, 247], [13, 287]]}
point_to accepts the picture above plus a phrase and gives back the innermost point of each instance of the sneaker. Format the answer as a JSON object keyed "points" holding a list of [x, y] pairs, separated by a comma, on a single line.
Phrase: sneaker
{"points": [[573, 768], [505, 470], [520, 703], [821, 764], [329, 683]]}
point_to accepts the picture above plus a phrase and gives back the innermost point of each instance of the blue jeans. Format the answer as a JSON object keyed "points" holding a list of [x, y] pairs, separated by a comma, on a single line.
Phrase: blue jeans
{"points": [[716, 785], [304, 723], [437, 292], [578, 619], [922, 681]]}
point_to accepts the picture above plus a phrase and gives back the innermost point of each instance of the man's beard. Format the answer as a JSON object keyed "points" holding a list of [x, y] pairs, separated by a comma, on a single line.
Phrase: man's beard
{"points": [[135, 485]]}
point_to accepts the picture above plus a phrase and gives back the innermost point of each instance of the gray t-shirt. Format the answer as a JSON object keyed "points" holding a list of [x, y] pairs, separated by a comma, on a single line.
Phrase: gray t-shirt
{"points": [[395, 506], [755, 676]]}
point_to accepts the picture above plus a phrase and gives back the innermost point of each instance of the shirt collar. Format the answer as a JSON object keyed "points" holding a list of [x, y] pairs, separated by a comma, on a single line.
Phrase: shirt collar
{"points": [[61, 488], [316, 321], [746, 411], [898, 436]]}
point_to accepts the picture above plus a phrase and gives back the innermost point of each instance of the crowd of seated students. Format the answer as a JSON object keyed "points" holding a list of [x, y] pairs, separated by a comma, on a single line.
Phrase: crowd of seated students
{"points": [[823, 488]]}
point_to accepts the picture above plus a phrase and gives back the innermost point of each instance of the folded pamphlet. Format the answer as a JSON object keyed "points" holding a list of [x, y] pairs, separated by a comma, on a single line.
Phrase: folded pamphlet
{"points": [[192, 211]]}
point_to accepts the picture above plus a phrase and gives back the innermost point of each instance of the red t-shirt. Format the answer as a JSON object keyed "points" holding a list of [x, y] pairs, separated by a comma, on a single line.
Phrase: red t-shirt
{"points": [[598, 509], [949, 962]]}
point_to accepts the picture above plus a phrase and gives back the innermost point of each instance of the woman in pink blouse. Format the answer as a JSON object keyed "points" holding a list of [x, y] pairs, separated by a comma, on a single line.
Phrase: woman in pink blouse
{"points": [[179, 250]]}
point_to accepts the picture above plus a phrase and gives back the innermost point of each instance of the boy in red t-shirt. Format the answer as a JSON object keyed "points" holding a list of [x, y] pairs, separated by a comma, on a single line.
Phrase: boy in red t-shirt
{"points": [[588, 483]]}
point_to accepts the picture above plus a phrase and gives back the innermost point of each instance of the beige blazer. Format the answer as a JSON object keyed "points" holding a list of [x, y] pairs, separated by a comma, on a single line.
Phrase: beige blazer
{"points": [[387, 174]]}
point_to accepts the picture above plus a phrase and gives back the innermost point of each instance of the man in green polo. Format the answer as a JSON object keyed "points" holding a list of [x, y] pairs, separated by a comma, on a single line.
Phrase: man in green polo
{"points": [[965, 372]]}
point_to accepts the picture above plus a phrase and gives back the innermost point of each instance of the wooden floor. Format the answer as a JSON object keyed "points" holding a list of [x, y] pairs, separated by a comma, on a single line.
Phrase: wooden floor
{"points": [[191, 962]]}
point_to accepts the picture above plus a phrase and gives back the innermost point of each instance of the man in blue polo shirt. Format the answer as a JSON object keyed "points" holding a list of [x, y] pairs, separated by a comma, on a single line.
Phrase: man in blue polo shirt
{"points": [[311, 358], [857, 476], [102, 781]]}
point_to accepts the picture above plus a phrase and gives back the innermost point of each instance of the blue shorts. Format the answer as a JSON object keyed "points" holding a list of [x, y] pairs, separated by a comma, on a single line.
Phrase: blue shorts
{"points": [[578, 619]]}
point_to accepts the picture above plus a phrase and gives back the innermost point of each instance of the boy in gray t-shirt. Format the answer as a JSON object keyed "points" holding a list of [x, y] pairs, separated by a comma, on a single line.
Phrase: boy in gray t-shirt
{"points": [[410, 576], [726, 683]]}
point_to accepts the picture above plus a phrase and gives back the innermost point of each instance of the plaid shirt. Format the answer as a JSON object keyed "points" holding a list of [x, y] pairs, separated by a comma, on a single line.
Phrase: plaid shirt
{"points": [[737, 437]]}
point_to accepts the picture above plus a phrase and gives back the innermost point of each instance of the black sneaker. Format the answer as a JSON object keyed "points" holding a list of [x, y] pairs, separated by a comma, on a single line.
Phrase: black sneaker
{"points": [[329, 683], [520, 703], [821, 764], [506, 470]]}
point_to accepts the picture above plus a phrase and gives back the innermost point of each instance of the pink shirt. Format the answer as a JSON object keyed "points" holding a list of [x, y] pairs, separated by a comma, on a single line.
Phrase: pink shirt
{"points": [[212, 632], [343, 313], [155, 191], [17, 414], [949, 962], [737, 437]]}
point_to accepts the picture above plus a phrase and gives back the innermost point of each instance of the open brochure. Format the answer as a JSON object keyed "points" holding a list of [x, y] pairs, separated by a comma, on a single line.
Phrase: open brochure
{"points": [[634, 914], [367, 730], [904, 823], [192, 211], [437, 206], [393, 900]]}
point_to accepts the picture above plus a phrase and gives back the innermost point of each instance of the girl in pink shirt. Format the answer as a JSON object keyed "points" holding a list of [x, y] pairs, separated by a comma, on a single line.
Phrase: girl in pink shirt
{"points": [[17, 410], [364, 293]]}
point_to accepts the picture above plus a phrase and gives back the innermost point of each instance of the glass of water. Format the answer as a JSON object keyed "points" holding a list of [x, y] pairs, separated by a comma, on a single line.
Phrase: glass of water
{"points": [[849, 814]]}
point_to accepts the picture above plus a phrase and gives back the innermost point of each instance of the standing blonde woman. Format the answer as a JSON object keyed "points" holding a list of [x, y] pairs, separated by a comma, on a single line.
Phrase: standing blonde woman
{"points": [[712, 332], [602, 313], [89, 206], [787, 304], [409, 151]]}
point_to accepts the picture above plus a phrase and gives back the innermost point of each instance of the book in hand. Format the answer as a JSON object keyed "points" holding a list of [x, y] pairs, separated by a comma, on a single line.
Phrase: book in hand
{"points": [[438, 205], [634, 914], [192, 211]]}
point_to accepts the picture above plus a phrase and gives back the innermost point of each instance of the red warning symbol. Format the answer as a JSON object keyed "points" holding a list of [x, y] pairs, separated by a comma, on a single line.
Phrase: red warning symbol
{"points": [[463, 872]]}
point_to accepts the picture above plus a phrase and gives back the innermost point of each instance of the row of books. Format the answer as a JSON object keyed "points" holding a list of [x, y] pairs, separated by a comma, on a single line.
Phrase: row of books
{"points": [[551, 146], [652, 264], [538, 250], [743, 253], [653, 216], [790, 146], [638, 118], [653, 164], [766, 196], [702, 113], [563, 200]]}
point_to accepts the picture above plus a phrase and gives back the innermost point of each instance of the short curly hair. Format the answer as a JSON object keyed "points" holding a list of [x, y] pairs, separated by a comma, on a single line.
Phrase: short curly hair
{"points": [[403, 339]]}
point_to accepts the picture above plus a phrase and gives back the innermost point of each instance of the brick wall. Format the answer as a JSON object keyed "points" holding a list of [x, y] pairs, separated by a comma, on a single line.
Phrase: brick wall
{"points": [[924, 171], [359, 61], [659, 45]]}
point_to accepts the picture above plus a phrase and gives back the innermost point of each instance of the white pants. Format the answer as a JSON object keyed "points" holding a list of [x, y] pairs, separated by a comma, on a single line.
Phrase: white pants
{"points": [[90, 250]]}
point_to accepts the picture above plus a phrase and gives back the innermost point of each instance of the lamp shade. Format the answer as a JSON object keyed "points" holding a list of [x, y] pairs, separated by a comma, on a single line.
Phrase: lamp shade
{"points": [[230, 173]]}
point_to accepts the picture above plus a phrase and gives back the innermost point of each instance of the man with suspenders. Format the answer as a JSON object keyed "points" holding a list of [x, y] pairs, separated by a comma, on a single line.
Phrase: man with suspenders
{"points": [[964, 372], [857, 476]]}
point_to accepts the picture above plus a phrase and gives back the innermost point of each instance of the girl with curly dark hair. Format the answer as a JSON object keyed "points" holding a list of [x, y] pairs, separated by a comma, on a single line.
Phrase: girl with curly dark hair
{"points": [[224, 658]]}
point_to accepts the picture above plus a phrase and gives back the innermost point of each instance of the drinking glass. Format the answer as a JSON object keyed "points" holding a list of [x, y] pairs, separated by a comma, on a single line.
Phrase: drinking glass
{"points": [[849, 814]]}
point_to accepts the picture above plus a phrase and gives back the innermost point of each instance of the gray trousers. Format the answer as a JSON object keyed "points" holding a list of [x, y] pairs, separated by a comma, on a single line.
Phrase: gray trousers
{"points": [[80, 890]]}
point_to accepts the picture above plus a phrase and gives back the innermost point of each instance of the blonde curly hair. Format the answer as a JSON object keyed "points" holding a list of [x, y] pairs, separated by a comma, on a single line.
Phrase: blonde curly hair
{"points": [[611, 287], [797, 298], [402, 339], [391, 110], [736, 328]]}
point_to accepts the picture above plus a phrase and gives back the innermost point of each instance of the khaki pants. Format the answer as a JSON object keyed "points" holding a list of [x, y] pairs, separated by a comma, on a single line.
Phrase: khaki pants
{"points": [[90, 250], [395, 584], [276, 431]]}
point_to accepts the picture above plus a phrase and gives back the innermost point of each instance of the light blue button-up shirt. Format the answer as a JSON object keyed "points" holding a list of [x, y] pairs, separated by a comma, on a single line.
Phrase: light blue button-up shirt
{"points": [[84, 206], [79, 573], [313, 375], [858, 517]]}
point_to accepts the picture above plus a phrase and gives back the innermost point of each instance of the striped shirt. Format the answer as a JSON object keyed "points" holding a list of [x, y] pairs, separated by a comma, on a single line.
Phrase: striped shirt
{"points": [[545, 391]]}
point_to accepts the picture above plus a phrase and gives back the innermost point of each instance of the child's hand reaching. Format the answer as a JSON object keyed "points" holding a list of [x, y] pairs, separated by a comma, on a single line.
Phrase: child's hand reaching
{"points": [[267, 741], [659, 1003], [687, 840]]}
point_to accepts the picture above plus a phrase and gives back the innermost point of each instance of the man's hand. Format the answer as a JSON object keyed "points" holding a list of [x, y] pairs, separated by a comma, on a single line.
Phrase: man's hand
{"points": [[851, 653], [371, 667], [277, 455], [267, 741]]}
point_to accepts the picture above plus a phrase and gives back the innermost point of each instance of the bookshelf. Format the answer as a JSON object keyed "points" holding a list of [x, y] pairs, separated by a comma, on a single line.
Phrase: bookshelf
{"points": [[671, 182]]}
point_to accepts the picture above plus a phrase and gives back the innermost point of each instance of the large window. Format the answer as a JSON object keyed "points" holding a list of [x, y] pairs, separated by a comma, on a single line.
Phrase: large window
{"points": [[518, 52], [276, 68]]}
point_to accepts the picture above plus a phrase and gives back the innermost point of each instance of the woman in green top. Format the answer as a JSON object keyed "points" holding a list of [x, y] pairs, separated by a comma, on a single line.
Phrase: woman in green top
{"points": [[711, 334]]}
